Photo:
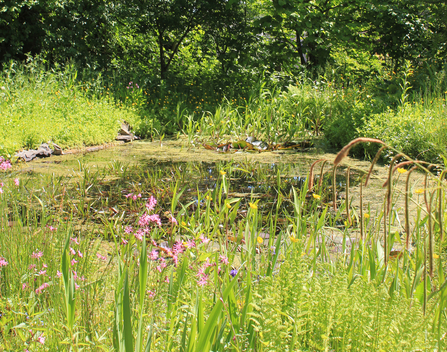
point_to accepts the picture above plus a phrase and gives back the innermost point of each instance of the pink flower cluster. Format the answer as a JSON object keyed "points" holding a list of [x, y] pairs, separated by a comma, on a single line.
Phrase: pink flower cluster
{"points": [[133, 196], [42, 272], [130, 86], [76, 253], [201, 273], [145, 222], [4, 164], [42, 287], [3, 262]]}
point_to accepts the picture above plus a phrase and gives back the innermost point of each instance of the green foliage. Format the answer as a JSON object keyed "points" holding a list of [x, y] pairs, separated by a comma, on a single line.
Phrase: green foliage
{"points": [[40, 106], [300, 311], [418, 130]]}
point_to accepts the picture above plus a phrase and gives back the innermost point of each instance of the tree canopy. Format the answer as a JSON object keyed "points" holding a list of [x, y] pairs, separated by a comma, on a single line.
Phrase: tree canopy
{"points": [[162, 36]]}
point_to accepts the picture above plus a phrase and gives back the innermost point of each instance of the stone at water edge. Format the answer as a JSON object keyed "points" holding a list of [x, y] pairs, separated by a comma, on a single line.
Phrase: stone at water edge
{"points": [[124, 134], [57, 150], [43, 151]]}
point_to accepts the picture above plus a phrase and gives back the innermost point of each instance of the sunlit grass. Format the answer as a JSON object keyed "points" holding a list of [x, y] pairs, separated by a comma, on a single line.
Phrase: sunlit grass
{"points": [[41, 106]]}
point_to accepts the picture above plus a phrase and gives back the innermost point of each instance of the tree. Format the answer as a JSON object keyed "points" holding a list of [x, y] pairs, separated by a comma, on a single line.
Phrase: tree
{"points": [[305, 30], [21, 29]]}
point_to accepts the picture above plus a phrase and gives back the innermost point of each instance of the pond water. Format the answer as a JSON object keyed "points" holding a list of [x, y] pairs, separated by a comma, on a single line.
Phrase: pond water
{"points": [[100, 180]]}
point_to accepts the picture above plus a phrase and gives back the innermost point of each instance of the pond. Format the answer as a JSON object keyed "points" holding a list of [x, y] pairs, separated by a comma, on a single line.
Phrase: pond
{"points": [[98, 182]]}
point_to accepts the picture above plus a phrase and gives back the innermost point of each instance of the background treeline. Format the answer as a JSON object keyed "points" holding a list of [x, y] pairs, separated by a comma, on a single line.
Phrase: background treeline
{"points": [[339, 67], [167, 38]]}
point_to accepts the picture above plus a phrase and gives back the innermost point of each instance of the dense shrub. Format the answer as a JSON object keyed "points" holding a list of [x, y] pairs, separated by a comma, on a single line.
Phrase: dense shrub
{"points": [[418, 130]]}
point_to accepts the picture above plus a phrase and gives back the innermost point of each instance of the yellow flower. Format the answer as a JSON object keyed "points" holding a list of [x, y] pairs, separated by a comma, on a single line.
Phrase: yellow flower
{"points": [[401, 170], [183, 223], [316, 196], [419, 191], [253, 205], [366, 216], [259, 240], [207, 197], [222, 172], [228, 205], [293, 239], [435, 256]]}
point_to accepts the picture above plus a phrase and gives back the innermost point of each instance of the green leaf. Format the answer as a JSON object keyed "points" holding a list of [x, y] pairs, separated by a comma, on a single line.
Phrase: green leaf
{"points": [[204, 343]]}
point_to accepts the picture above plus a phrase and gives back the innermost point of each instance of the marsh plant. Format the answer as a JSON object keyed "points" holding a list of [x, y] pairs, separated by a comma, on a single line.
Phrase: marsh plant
{"points": [[153, 266]]}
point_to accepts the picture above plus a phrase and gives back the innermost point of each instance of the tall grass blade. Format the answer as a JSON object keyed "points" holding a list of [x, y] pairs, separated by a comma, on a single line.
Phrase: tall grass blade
{"points": [[204, 337]]}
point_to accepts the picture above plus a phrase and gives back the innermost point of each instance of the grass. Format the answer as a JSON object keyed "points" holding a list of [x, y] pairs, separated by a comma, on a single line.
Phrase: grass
{"points": [[41, 106], [98, 264]]}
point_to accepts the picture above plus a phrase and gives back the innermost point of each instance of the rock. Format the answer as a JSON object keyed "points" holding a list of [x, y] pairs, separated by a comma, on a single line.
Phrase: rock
{"points": [[57, 150], [125, 129], [124, 134], [43, 151], [125, 138]]}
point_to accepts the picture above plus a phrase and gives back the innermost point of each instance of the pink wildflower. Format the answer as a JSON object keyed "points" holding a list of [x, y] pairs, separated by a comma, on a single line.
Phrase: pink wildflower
{"points": [[207, 263], [173, 220], [201, 271], [74, 239], [3, 262], [41, 339], [32, 267], [59, 274], [151, 204], [24, 286], [1, 190], [175, 259], [128, 195], [177, 248], [51, 228], [203, 280], [204, 239], [139, 235], [42, 272], [134, 197], [101, 257], [128, 229], [167, 279], [80, 255], [42, 287], [161, 266], [153, 255], [223, 259], [151, 294], [4, 164], [189, 244], [16, 181], [76, 286], [37, 255], [72, 251], [124, 241], [73, 261], [146, 219]]}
